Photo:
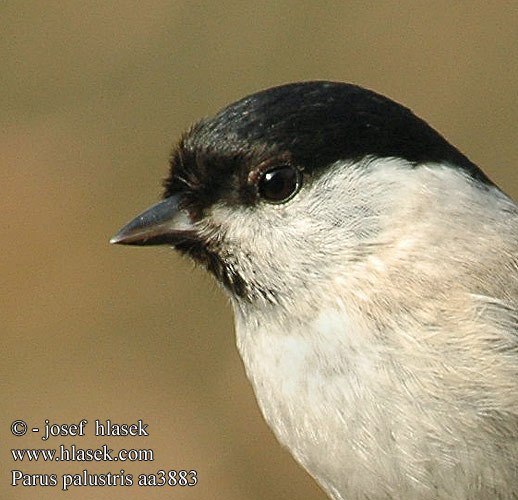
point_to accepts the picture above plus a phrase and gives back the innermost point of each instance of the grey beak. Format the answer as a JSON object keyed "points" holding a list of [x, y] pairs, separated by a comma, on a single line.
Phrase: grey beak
{"points": [[163, 224]]}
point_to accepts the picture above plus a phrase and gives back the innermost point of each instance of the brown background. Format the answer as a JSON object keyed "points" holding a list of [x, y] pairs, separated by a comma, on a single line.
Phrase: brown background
{"points": [[93, 96]]}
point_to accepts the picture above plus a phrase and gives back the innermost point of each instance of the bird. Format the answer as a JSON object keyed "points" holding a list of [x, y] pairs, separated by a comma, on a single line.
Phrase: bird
{"points": [[372, 270]]}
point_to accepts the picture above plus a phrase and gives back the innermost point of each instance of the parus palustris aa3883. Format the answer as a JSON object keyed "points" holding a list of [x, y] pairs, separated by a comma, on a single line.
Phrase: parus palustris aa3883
{"points": [[372, 270]]}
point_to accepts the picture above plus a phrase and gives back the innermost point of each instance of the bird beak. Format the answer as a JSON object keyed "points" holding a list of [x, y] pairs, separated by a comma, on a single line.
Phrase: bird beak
{"points": [[163, 224]]}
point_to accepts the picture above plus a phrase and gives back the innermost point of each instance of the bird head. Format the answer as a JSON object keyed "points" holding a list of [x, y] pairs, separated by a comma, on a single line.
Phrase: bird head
{"points": [[281, 189]]}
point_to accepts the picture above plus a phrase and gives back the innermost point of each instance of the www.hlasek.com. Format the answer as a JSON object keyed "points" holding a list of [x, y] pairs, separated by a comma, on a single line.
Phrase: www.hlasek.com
{"points": [[73, 453]]}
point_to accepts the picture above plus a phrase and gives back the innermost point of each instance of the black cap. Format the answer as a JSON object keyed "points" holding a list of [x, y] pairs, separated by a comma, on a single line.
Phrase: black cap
{"points": [[311, 124]]}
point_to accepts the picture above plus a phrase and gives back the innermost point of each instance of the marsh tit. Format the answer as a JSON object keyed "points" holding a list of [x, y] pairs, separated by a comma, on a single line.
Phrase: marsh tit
{"points": [[373, 274]]}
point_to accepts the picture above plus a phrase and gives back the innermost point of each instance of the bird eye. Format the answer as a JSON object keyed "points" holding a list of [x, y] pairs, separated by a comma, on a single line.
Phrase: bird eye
{"points": [[279, 184]]}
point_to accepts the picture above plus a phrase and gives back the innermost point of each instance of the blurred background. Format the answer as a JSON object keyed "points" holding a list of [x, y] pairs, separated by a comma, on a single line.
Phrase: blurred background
{"points": [[94, 95]]}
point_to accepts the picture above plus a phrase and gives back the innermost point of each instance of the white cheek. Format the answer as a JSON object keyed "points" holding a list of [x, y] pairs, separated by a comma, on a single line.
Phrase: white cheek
{"points": [[243, 228], [406, 243], [376, 263]]}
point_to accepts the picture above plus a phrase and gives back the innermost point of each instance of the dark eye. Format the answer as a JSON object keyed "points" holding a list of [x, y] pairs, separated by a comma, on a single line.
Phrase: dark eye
{"points": [[279, 184]]}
